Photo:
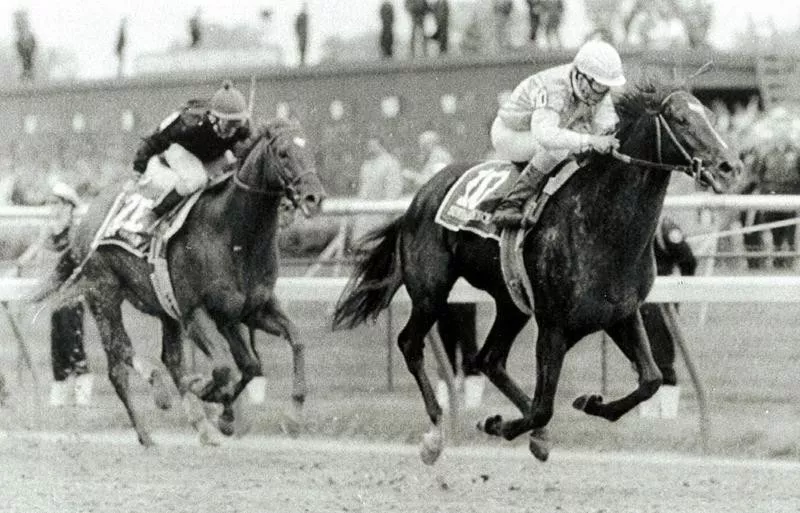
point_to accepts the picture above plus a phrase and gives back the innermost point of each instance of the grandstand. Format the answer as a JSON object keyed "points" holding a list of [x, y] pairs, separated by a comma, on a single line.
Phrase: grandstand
{"points": [[98, 123]]}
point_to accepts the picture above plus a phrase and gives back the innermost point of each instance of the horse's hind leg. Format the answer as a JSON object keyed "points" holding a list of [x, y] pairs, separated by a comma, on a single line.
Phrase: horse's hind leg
{"points": [[172, 357], [412, 342], [119, 353], [272, 319], [631, 338]]}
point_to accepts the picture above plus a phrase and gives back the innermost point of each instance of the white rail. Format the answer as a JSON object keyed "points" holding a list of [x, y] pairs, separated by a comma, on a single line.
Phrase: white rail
{"points": [[695, 289], [347, 206], [776, 202]]}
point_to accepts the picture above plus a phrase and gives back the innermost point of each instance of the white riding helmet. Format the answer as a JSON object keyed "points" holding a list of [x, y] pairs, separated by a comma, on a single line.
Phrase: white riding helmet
{"points": [[599, 61]]}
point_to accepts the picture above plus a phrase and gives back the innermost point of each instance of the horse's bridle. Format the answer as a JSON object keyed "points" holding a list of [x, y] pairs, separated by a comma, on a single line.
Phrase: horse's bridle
{"points": [[695, 165], [287, 186]]}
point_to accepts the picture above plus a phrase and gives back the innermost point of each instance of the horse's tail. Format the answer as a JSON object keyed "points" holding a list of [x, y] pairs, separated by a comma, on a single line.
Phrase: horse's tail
{"points": [[376, 279]]}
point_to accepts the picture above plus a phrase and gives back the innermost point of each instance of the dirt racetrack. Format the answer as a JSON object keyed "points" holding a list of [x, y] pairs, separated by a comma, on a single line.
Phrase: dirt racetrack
{"points": [[109, 472], [358, 448]]}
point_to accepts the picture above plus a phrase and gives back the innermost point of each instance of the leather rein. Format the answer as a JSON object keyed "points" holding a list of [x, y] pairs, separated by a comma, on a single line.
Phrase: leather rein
{"points": [[694, 167]]}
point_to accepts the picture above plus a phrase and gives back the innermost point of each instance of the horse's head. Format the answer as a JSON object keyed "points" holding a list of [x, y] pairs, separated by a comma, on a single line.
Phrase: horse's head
{"points": [[280, 162], [683, 138]]}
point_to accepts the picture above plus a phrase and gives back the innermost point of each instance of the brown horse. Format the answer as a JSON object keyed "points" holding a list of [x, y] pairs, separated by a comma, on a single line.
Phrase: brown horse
{"points": [[589, 259], [223, 264]]}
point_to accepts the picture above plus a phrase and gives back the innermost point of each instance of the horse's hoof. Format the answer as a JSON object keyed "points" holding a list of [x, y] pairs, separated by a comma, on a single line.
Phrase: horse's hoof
{"points": [[146, 440], [587, 403], [208, 435], [491, 425], [539, 445], [196, 384], [221, 376], [432, 445], [290, 425], [161, 393], [226, 422]]}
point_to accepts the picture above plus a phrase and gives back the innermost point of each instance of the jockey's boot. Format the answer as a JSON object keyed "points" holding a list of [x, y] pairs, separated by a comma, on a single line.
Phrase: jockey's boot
{"points": [[166, 203], [509, 211]]}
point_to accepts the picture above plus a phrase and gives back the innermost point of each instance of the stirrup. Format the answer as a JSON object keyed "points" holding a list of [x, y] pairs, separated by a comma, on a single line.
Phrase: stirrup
{"points": [[506, 219]]}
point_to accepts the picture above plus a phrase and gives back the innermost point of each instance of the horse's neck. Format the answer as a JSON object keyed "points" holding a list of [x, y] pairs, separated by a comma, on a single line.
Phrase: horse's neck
{"points": [[629, 199], [253, 220]]}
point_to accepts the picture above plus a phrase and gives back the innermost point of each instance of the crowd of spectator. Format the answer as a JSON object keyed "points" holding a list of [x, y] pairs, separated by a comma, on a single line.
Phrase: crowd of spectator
{"points": [[491, 28]]}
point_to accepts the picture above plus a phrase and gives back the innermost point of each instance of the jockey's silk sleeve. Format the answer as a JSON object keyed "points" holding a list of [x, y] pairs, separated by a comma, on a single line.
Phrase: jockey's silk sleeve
{"points": [[156, 143], [545, 130]]}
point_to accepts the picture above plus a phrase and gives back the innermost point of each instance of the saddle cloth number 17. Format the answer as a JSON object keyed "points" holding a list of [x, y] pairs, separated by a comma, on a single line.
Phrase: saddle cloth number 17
{"points": [[479, 188]]}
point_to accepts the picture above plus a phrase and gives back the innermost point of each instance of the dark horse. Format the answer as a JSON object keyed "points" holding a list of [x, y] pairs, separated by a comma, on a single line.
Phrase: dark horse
{"points": [[589, 259], [224, 265]]}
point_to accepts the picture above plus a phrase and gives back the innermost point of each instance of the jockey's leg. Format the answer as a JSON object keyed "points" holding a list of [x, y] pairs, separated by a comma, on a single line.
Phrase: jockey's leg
{"points": [[167, 202], [509, 210], [190, 175], [518, 146]]}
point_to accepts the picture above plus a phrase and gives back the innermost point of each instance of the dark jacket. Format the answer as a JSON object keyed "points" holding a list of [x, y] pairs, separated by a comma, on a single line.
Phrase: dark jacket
{"points": [[192, 129]]}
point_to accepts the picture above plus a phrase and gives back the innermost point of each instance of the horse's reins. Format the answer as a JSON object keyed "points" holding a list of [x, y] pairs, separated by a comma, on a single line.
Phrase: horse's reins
{"points": [[695, 167]]}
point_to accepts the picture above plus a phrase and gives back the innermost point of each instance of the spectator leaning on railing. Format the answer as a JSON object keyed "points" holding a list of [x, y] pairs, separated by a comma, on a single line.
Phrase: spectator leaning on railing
{"points": [[68, 358]]}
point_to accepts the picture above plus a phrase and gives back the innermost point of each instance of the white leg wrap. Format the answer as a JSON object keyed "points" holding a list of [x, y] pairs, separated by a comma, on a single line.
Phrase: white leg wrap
{"points": [[83, 389]]}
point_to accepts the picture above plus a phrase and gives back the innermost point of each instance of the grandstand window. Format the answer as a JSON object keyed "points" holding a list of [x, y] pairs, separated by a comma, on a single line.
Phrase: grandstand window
{"points": [[282, 110], [78, 122], [390, 106], [336, 110], [30, 123], [448, 103], [128, 120]]}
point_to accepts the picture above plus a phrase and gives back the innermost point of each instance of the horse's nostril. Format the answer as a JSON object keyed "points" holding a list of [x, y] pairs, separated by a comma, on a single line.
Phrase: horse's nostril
{"points": [[726, 167], [312, 199]]}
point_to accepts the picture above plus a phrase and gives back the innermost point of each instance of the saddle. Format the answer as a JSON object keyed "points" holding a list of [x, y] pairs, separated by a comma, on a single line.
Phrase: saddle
{"points": [[465, 208], [130, 224]]}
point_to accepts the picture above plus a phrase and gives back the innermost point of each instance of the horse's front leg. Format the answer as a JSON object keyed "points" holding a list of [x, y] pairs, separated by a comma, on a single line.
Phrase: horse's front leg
{"points": [[631, 338], [551, 348], [248, 363], [271, 319], [222, 387]]}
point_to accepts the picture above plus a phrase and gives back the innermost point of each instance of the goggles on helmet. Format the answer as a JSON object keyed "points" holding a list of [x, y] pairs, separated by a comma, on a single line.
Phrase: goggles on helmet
{"points": [[225, 128]]}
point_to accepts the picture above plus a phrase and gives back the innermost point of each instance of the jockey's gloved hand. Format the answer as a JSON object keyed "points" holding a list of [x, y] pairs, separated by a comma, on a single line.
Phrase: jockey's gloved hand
{"points": [[603, 143]]}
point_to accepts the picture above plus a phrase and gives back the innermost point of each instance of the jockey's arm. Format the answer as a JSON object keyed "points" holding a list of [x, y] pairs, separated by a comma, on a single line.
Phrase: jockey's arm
{"points": [[546, 132], [157, 142]]}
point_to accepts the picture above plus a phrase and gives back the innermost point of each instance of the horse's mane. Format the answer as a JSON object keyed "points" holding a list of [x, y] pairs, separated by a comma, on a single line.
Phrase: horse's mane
{"points": [[264, 130], [643, 98]]}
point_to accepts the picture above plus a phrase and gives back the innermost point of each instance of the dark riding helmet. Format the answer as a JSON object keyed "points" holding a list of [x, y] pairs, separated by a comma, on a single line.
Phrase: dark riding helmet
{"points": [[228, 110]]}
